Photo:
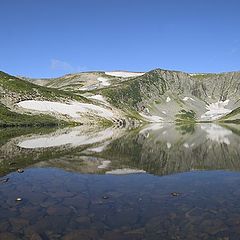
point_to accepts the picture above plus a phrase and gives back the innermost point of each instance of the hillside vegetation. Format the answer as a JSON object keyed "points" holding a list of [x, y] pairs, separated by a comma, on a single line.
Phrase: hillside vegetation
{"points": [[155, 96], [9, 118]]}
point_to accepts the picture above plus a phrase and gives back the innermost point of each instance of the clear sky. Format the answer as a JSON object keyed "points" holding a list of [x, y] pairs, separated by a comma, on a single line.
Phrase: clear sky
{"points": [[46, 38]]}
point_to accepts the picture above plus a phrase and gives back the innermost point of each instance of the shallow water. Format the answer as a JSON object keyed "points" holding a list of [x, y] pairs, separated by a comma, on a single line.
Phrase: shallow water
{"points": [[156, 182]]}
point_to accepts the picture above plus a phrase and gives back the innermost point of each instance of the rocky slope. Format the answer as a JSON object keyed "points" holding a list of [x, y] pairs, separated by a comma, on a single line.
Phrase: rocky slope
{"points": [[178, 96], [120, 97]]}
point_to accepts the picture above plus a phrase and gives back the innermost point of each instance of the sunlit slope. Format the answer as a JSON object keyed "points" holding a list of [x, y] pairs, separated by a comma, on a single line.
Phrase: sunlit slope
{"points": [[22, 100], [86, 81], [14, 89], [173, 95], [155, 96]]}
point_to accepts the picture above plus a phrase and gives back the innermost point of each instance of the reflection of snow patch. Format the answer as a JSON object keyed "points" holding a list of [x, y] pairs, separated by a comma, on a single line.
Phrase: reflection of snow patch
{"points": [[217, 133], [124, 74], [168, 99], [216, 110], [152, 127], [73, 109], [104, 164], [125, 171], [74, 138], [186, 145], [152, 118], [169, 145], [103, 81]]}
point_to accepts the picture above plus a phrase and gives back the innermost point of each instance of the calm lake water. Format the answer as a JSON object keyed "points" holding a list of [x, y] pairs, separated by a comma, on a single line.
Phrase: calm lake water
{"points": [[159, 181]]}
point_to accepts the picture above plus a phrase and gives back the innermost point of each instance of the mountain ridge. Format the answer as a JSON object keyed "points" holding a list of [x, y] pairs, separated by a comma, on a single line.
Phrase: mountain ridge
{"points": [[155, 96]]}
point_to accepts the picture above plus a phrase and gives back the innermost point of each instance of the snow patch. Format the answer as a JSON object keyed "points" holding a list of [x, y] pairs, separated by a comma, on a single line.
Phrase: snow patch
{"points": [[124, 74], [168, 99], [73, 138], [72, 109], [88, 88], [164, 112], [83, 88], [197, 74], [104, 164], [217, 133], [216, 110], [99, 148], [98, 97], [103, 81], [125, 171], [187, 98]]}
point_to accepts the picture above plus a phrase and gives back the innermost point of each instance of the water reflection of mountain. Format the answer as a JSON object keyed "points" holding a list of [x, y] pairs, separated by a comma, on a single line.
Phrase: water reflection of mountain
{"points": [[20, 148], [159, 149], [165, 149]]}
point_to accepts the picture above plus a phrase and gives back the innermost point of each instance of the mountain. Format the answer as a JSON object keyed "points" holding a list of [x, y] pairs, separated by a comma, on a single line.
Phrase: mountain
{"points": [[23, 102], [173, 95], [123, 97]]}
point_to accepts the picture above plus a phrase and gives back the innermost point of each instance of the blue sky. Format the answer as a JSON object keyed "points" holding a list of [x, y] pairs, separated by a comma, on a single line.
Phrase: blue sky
{"points": [[47, 38]]}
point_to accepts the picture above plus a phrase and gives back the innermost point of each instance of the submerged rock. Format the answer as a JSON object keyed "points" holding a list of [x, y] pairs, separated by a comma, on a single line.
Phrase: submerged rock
{"points": [[4, 180], [175, 194]]}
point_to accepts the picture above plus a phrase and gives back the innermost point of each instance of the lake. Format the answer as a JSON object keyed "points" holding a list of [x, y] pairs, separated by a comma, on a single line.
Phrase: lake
{"points": [[158, 181]]}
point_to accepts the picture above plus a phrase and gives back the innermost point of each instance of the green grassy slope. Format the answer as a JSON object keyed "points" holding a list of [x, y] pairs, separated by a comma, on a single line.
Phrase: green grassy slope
{"points": [[24, 89], [14, 90], [232, 117], [129, 93]]}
